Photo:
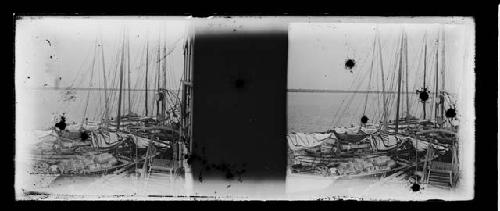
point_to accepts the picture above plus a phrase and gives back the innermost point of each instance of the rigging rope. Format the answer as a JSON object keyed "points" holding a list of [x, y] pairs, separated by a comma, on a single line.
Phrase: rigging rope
{"points": [[90, 82]]}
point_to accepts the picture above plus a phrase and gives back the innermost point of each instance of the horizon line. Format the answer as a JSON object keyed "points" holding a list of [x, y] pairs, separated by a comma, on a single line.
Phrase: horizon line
{"points": [[349, 91]]}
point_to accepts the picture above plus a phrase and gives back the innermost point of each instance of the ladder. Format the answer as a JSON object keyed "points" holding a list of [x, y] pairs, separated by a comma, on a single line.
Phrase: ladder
{"points": [[440, 174]]}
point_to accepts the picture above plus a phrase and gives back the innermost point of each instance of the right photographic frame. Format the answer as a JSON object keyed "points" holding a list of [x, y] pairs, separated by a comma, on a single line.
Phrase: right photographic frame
{"points": [[381, 108]]}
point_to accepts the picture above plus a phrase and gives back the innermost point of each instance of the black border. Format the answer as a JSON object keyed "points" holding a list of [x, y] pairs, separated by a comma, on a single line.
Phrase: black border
{"points": [[486, 20]]}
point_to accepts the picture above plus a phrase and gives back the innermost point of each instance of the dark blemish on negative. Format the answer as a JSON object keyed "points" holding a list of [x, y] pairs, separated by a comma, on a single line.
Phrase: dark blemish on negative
{"points": [[364, 119], [423, 94], [451, 113], [62, 123], [45, 84], [84, 135], [60, 78], [227, 16], [240, 83], [349, 64], [50, 57], [50, 44], [415, 187], [234, 30], [29, 77], [228, 186]]}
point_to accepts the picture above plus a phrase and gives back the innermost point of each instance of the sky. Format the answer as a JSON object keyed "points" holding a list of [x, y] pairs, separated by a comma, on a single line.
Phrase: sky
{"points": [[52, 47], [56, 50], [59, 51], [318, 51]]}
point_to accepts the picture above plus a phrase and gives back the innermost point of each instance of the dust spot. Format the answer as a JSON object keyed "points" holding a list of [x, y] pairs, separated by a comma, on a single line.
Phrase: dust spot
{"points": [[29, 77], [415, 187], [48, 41], [364, 119], [349, 64], [423, 94], [62, 123], [451, 113], [84, 135]]}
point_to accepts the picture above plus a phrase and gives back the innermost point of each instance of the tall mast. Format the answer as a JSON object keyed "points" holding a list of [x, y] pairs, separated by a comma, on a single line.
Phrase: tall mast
{"points": [[399, 82], [128, 75], [158, 78], [105, 84], [90, 81], [406, 76], [146, 86], [443, 70], [437, 83], [371, 72], [425, 68], [164, 102], [383, 81], [121, 84]]}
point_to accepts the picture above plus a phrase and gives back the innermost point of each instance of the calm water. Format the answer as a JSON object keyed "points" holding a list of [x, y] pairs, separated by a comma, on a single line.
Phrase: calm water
{"points": [[307, 111], [38, 108], [315, 112]]}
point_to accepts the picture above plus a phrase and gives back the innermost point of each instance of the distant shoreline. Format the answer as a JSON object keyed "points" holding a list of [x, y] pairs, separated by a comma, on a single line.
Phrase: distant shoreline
{"points": [[349, 91], [288, 90], [97, 89]]}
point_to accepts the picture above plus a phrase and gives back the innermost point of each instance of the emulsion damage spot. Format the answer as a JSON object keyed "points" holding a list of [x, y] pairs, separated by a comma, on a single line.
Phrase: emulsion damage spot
{"points": [[349, 64], [364, 119], [415, 187], [62, 123], [451, 113]]}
